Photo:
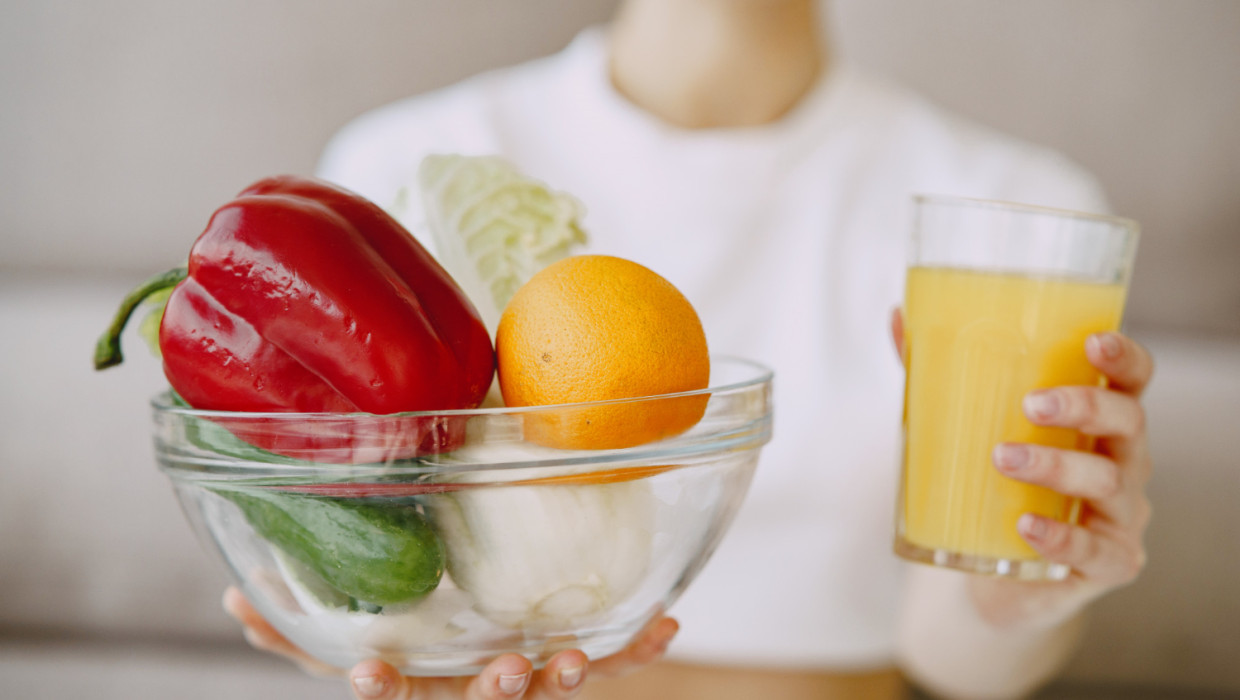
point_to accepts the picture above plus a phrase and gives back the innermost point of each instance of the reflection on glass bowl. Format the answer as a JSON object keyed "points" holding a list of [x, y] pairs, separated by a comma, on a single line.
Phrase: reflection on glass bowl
{"points": [[437, 541]]}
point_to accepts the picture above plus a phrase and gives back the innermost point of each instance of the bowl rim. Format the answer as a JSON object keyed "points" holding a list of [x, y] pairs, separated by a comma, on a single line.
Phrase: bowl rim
{"points": [[683, 449], [760, 374]]}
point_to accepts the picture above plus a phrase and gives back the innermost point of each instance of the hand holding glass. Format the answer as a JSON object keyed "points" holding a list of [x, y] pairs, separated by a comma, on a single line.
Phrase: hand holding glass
{"points": [[999, 301]]}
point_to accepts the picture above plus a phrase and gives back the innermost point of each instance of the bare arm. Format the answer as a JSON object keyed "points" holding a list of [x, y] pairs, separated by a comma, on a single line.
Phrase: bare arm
{"points": [[948, 649]]}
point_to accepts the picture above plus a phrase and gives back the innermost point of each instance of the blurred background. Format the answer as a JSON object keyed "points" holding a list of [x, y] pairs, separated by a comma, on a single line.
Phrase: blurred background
{"points": [[124, 124]]}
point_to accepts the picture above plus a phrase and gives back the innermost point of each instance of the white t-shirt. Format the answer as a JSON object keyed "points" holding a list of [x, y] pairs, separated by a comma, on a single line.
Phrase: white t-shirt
{"points": [[788, 238]]}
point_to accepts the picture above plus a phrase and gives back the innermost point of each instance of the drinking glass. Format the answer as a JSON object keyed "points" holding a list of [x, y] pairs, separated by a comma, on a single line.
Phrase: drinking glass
{"points": [[999, 300]]}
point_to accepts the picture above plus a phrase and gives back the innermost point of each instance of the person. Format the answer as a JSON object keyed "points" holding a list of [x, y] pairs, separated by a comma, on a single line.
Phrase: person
{"points": [[720, 143]]}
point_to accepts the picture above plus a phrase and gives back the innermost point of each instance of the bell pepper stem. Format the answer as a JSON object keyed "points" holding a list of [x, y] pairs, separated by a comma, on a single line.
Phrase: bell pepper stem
{"points": [[108, 349]]}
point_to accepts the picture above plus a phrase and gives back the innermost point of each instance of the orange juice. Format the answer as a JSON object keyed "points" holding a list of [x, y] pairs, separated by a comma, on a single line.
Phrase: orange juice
{"points": [[975, 343]]}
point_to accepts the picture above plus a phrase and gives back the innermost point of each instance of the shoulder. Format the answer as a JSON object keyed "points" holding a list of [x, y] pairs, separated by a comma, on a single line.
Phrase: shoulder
{"points": [[378, 152], [945, 153]]}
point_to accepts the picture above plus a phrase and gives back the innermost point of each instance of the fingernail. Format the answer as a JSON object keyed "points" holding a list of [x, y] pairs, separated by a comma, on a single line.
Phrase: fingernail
{"points": [[254, 639], [1105, 344], [512, 685], [1011, 457], [570, 677], [370, 686], [1031, 526], [1042, 405]]}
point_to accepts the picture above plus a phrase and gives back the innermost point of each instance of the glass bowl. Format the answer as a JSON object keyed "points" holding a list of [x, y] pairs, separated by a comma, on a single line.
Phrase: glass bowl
{"points": [[437, 541]]}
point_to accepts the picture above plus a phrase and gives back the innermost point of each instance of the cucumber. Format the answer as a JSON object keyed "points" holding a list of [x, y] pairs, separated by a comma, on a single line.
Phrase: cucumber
{"points": [[377, 552]]}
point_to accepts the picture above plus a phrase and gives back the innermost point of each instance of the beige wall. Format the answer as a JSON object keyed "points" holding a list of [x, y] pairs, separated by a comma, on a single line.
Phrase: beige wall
{"points": [[1144, 93], [125, 123]]}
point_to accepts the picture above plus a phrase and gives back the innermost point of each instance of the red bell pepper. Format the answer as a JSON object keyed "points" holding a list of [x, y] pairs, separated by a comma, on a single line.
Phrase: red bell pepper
{"points": [[301, 296]]}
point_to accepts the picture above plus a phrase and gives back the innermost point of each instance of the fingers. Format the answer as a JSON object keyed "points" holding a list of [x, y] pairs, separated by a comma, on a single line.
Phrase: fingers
{"points": [[561, 678], [506, 677], [1107, 548], [1127, 365], [647, 648], [1091, 410], [376, 680], [1113, 412], [1098, 555], [1080, 474], [1101, 481], [261, 635]]}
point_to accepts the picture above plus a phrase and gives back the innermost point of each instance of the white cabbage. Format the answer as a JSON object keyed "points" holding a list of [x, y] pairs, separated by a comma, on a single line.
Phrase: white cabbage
{"points": [[493, 228]]}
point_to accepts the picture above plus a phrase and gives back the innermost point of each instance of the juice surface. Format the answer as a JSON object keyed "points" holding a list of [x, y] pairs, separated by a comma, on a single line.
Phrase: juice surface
{"points": [[975, 344]]}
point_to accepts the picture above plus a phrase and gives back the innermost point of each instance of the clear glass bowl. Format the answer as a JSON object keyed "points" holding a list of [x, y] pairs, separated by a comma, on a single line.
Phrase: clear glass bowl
{"points": [[437, 541]]}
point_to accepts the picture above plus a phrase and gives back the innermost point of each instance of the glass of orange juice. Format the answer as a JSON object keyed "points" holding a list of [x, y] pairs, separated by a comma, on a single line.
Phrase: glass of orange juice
{"points": [[999, 300]]}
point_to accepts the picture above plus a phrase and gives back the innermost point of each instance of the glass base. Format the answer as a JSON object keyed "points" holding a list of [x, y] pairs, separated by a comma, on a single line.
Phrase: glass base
{"points": [[1021, 569]]}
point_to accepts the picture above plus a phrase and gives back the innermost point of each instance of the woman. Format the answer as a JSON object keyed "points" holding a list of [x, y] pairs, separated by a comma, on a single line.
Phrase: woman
{"points": [[718, 142]]}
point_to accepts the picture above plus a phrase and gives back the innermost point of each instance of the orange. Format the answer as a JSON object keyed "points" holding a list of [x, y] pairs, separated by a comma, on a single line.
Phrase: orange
{"points": [[598, 328]]}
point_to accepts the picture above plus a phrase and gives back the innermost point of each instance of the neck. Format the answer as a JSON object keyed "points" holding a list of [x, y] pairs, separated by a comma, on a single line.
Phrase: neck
{"points": [[716, 63]]}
